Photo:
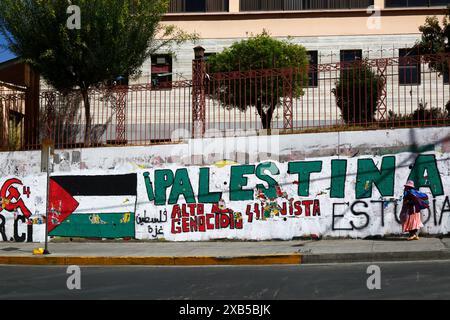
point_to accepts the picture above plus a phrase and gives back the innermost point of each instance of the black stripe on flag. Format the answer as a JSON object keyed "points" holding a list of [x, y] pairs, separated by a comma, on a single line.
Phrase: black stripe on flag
{"points": [[105, 185]]}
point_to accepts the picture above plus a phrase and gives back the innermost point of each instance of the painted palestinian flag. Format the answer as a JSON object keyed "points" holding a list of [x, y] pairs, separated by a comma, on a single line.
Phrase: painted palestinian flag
{"points": [[92, 206]]}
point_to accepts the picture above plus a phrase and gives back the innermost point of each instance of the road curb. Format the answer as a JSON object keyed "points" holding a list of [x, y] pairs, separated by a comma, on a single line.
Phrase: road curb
{"points": [[375, 257], [280, 259], [291, 259]]}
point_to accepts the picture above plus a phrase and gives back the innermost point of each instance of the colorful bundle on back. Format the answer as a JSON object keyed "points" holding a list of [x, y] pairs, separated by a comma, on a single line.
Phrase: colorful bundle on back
{"points": [[420, 199]]}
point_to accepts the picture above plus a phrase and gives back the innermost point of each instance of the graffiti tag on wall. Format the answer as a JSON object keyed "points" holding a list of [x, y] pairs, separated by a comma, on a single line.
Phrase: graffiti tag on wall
{"points": [[354, 197], [13, 208]]}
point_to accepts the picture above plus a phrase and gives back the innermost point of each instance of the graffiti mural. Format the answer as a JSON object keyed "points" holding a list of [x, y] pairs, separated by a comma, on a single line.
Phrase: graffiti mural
{"points": [[22, 211], [154, 225], [355, 197], [11, 197], [92, 206]]}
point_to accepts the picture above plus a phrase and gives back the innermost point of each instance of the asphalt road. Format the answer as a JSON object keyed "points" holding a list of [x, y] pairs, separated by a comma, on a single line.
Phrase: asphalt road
{"points": [[411, 280]]}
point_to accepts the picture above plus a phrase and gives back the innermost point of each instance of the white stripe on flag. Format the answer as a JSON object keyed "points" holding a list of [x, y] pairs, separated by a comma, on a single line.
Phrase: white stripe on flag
{"points": [[105, 204]]}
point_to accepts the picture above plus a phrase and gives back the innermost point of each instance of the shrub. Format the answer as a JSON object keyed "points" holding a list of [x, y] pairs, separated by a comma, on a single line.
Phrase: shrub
{"points": [[358, 92], [422, 115]]}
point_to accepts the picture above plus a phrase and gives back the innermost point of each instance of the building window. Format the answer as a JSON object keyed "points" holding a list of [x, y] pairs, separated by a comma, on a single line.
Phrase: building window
{"points": [[347, 57], [415, 3], [313, 80], [161, 71], [409, 67], [179, 6], [293, 5], [350, 55]]}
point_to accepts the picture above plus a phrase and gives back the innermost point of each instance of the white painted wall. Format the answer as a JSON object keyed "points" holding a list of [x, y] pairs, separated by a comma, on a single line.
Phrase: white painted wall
{"points": [[193, 154]]}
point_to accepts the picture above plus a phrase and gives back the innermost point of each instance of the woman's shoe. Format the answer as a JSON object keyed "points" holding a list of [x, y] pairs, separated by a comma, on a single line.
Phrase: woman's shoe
{"points": [[416, 237], [411, 238]]}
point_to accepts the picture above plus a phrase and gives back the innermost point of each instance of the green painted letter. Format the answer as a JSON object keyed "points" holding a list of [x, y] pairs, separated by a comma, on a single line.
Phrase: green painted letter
{"points": [[181, 186], [338, 174], [238, 181], [433, 181], [163, 180], [270, 192], [304, 170], [149, 186], [204, 196], [368, 174]]}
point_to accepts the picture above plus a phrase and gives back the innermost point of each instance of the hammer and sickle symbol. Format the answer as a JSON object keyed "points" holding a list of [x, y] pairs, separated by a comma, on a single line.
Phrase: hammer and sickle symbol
{"points": [[12, 196]]}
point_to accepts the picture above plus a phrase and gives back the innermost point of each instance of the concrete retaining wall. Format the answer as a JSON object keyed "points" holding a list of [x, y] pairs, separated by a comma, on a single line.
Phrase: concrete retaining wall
{"points": [[253, 188]]}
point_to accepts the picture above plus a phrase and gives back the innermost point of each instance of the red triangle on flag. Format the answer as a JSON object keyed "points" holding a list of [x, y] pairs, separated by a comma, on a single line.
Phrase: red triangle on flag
{"points": [[60, 206]]}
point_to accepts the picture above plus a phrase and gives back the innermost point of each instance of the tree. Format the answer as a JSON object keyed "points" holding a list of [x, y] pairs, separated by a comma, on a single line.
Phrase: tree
{"points": [[255, 53], [115, 39], [435, 39], [358, 92]]}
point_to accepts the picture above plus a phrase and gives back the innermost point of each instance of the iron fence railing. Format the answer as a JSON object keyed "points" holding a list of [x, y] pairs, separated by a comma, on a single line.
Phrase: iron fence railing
{"points": [[382, 92], [291, 5], [12, 110], [369, 93]]}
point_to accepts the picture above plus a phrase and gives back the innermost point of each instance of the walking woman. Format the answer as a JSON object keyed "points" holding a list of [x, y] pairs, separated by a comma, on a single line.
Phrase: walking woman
{"points": [[413, 202]]}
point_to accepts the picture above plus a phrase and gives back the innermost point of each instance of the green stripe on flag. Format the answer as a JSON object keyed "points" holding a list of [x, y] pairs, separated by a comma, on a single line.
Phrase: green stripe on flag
{"points": [[102, 225]]}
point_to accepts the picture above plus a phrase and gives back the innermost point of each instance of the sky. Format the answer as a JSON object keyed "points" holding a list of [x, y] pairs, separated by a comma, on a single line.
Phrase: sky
{"points": [[4, 53]]}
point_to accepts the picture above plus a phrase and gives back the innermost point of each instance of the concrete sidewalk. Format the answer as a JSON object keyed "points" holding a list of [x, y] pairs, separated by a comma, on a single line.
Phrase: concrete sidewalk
{"points": [[226, 252]]}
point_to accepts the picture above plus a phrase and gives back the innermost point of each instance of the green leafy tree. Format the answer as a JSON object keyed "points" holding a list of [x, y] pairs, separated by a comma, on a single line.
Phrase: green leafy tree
{"points": [[258, 52], [115, 39], [435, 39], [358, 93]]}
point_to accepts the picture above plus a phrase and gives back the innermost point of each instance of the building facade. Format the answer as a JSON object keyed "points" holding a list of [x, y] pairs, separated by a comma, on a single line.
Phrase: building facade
{"points": [[19, 105], [332, 30], [162, 107]]}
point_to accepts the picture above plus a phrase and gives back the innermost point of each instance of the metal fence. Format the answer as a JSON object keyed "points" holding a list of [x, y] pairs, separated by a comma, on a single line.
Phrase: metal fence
{"points": [[134, 115], [12, 110], [369, 93], [383, 92]]}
